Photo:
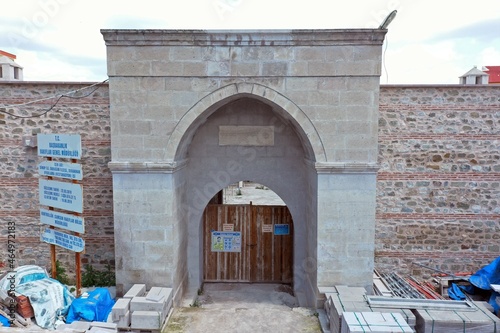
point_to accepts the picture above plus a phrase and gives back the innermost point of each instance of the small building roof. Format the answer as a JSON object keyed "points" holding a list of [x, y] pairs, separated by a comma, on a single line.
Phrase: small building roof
{"points": [[8, 55], [474, 72], [8, 58]]}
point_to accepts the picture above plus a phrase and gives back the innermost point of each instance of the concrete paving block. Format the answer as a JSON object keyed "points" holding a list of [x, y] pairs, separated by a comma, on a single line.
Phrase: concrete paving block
{"points": [[324, 290], [146, 320], [76, 326], [111, 326], [374, 322], [101, 330], [155, 298], [120, 308], [142, 304], [136, 290], [124, 321], [156, 292]]}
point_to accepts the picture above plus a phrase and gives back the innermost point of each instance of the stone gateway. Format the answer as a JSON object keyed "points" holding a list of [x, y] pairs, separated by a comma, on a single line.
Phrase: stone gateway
{"points": [[193, 111]]}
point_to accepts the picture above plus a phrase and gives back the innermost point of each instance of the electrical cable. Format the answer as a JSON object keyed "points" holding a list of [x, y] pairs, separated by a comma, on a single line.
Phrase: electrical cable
{"points": [[59, 97]]}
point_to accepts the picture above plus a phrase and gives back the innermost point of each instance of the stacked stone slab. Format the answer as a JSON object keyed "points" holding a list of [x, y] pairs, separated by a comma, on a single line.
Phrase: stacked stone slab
{"points": [[374, 322], [85, 326], [141, 310], [342, 299], [99, 327], [479, 321]]}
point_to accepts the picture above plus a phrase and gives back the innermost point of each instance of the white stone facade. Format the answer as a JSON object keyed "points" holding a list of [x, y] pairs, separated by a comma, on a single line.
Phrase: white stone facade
{"points": [[171, 91]]}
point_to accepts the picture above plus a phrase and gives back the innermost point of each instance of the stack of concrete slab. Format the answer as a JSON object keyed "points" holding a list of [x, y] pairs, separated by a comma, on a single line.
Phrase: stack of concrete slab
{"points": [[374, 322], [99, 327], [445, 321], [86, 326], [341, 299], [141, 310]]}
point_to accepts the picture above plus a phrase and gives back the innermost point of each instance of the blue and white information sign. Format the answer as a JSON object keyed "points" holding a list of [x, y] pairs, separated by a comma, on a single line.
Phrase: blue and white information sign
{"points": [[60, 145], [61, 195], [67, 241], [60, 170], [226, 241], [62, 220], [281, 229]]}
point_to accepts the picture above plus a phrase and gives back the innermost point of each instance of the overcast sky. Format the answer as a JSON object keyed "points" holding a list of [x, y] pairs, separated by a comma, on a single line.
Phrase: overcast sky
{"points": [[429, 41]]}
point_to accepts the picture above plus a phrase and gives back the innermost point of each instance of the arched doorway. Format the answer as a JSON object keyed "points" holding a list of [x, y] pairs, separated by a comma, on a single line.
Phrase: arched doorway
{"points": [[247, 138], [246, 241]]}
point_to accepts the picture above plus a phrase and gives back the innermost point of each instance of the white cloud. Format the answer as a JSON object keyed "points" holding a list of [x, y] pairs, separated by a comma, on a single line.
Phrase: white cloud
{"points": [[426, 39], [490, 56]]}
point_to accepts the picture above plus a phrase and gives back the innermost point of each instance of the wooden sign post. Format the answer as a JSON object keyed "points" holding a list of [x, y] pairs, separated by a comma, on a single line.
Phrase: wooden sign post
{"points": [[63, 195]]}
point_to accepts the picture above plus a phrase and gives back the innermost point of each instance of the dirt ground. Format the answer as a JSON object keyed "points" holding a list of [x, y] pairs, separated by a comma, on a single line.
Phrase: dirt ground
{"points": [[240, 307]]}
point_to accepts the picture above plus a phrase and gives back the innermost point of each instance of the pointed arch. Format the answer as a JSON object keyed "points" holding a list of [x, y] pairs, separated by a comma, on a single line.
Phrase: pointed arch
{"points": [[196, 115]]}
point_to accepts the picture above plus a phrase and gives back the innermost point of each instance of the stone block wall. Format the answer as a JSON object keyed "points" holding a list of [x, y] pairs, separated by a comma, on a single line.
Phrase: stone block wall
{"points": [[87, 116], [438, 190]]}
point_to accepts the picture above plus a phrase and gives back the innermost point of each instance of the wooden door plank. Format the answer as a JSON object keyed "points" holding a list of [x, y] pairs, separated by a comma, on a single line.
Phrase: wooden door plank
{"points": [[267, 246], [264, 257], [278, 246], [253, 231]]}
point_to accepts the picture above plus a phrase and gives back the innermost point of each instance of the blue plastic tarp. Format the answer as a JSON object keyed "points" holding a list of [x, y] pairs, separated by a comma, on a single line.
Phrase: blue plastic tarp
{"points": [[4, 321], [494, 302], [95, 307], [455, 292], [487, 275]]}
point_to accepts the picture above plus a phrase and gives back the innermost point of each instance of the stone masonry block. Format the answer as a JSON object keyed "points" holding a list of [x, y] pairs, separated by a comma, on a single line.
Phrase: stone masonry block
{"points": [[298, 68], [244, 69], [133, 68], [136, 290], [76, 326], [165, 293], [97, 329], [149, 235], [189, 53], [98, 324], [159, 68], [309, 53], [321, 68], [120, 308], [142, 304], [124, 321], [194, 69], [146, 320], [275, 68], [301, 84]]}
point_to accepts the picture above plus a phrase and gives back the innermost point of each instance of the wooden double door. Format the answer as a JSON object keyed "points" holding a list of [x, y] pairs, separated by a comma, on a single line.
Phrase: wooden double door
{"points": [[263, 235]]}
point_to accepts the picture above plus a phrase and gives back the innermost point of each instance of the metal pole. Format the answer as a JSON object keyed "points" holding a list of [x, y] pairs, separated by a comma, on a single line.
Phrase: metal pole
{"points": [[440, 271], [78, 268]]}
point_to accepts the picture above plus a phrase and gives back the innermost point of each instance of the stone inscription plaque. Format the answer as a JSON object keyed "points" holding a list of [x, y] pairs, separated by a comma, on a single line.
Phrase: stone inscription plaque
{"points": [[246, 135]]}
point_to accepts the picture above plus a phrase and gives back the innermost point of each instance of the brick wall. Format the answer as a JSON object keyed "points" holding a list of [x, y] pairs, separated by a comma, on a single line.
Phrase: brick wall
{"points": [[438, 187], [19, 169]]}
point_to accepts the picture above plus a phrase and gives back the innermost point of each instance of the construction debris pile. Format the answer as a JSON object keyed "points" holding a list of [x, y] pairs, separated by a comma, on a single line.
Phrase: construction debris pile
{"points": [[40, 308], [137, 310], [29, 292]]}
